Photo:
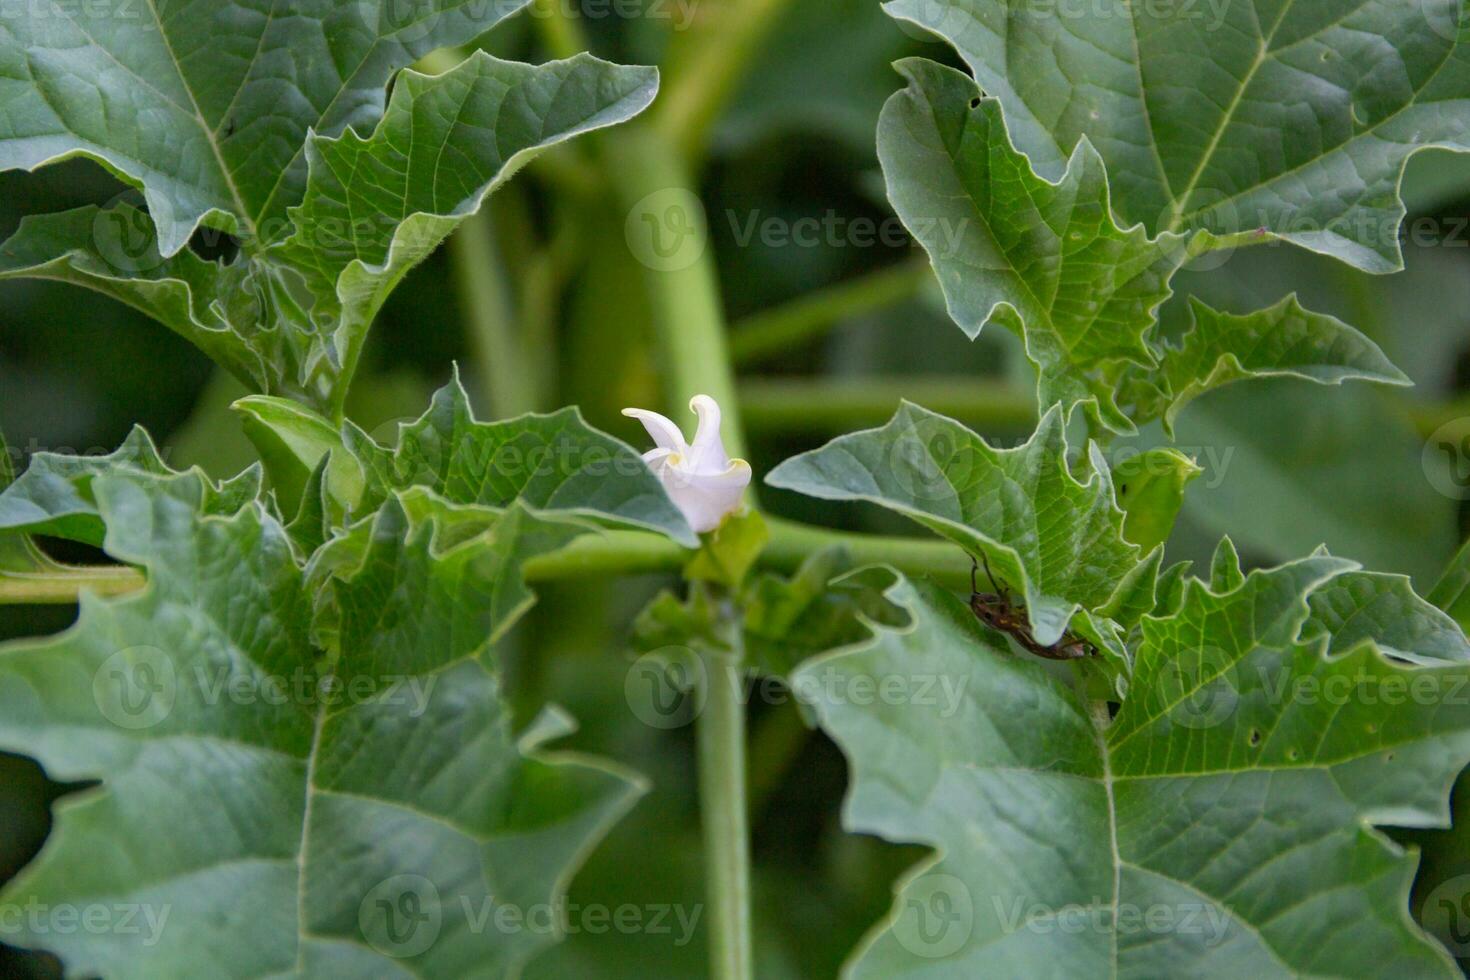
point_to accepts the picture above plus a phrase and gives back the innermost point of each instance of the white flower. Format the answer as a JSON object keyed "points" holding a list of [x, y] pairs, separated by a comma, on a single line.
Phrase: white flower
{"points": [[702, 480]]}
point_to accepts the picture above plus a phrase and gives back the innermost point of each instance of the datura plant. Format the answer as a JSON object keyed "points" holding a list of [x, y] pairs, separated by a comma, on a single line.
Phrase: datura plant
{"points": [[284, 723]]}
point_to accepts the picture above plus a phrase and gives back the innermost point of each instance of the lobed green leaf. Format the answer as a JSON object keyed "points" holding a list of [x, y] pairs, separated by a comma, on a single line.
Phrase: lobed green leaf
{"points": [[1291, 120], [1221, 824], [325, 750]]}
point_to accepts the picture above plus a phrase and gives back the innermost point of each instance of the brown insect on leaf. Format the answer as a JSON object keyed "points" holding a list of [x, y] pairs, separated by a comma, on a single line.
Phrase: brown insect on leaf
{"points": [[999, 611]]}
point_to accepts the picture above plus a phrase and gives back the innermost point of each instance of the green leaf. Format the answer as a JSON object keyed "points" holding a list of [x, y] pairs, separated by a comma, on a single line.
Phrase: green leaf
{"points": [[223, 309], [208, 109], [1284, 340], [1012, 248], [1055, 535], [312, 525], [672, 628], [1139, 593], [1294, 119], [293, 441], [1220, 825], [1170, 588], [1452, 592], [55, 496], [801, 84], [446, 142], [544, 462], [289, 315], [19, 556], [784, 621], [727, 553], [327, 755], [1386, 608], [824, 605], [1151, 491], [1291, 466], [1225, 571], [1046, 261]]}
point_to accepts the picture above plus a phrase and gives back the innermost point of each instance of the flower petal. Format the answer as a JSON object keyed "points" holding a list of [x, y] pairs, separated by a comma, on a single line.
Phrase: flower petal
{"points": [[707, 452], [664, 432], [705, 498]]}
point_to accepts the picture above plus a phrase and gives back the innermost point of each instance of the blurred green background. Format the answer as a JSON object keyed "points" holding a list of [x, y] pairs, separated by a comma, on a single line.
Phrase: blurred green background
{"points": [[1288, 465]]}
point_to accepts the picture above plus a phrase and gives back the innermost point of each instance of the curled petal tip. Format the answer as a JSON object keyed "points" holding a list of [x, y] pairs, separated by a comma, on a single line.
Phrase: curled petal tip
{"points": [[708, 447], [664, 432]]}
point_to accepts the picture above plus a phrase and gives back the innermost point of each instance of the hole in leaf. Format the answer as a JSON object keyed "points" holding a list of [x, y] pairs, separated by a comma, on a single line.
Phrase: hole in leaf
{"points": [[1293, 754], [214, 245], [1255, 736], [975, 102]]}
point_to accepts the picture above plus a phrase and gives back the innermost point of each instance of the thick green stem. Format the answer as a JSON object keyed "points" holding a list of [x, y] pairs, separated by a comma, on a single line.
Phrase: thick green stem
{"points": [[706, 73], [593, 555], [1429, 417], [721, 735], [792, 543], [783, 405], [689, 326], [688, 317], [500, 361], [559, 31], [479, 279], [777, 331]]}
